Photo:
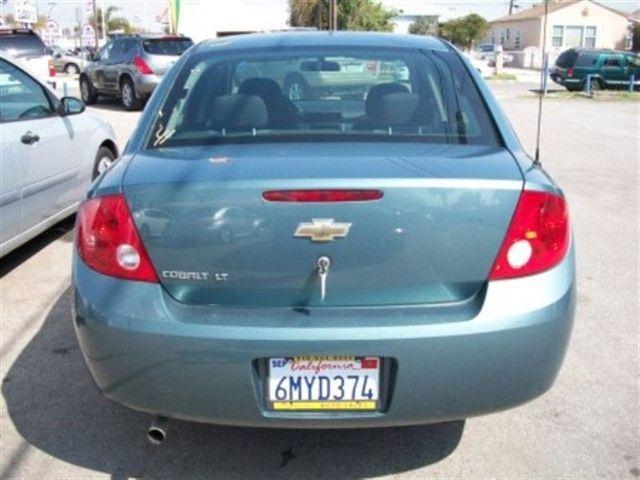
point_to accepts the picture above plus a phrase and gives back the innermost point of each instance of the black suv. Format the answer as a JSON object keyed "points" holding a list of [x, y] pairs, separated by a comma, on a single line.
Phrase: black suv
{"points": [[130, 67], [608, 69]]}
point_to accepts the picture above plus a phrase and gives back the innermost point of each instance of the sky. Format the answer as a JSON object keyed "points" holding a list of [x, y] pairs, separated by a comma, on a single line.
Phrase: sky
{"points": [[146, 11]]}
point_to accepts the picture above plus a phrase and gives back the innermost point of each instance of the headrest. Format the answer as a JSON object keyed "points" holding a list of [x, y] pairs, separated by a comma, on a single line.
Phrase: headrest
{"points": [[238, 112], [378, 91], [393, 109], [261, 87]]}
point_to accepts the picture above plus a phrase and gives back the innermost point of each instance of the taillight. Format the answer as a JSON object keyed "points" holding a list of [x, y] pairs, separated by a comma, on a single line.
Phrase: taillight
{"points": [[570, 72], [142, 66], [537, 239], [333, 195], [108, 242], [52, 69]]}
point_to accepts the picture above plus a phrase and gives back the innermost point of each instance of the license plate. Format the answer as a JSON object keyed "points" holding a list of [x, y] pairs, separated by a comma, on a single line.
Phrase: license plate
{"points": [[324, 383]]}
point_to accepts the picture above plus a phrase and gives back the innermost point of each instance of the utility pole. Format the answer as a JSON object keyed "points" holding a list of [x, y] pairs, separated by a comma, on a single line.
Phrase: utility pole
{"points": [[511, 6], [95, 23], [333, 15]]}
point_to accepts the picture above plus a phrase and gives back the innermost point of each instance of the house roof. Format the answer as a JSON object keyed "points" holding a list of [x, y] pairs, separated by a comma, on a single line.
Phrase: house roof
{"points": [[537, 11]]}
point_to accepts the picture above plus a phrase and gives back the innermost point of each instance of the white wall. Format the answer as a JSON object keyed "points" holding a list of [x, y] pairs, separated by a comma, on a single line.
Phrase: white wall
{"points": [[202, 19]]}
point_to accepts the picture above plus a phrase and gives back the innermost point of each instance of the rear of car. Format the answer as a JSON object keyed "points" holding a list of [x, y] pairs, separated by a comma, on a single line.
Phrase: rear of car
{"points": [[323, 262], [27, 48], [154, 57]]}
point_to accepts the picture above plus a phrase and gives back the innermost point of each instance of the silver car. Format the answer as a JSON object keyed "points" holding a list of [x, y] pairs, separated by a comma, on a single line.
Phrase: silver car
{"points": [[50, 151], [130, 67], [64, 62]]}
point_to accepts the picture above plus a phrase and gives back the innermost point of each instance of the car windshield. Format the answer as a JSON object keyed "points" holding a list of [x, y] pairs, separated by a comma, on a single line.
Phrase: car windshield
{"points": [[22, 45], [166, 46], [301, 94]]}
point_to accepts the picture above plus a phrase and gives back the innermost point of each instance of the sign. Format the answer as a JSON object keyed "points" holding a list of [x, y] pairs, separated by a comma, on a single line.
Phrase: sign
{"points": [[25, 13], [52, 33], [88, 36]]}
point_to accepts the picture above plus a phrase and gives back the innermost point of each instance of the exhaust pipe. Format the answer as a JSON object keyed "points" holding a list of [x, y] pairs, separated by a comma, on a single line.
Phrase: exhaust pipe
{"points": [[157, 432]]}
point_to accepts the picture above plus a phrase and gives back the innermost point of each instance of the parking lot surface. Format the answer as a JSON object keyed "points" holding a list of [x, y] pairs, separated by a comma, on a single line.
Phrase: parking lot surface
{"points": [[55, 424]]}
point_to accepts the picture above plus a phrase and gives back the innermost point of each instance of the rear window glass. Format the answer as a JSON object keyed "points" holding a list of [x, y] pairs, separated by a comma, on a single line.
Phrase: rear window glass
{"points": [[22, 45], [587, 59], [341, 93], [166, 46], [567, 59]]}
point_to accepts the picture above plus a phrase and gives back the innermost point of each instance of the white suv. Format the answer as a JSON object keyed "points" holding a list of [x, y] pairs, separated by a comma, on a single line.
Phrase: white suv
{"points": [[25, 47]]}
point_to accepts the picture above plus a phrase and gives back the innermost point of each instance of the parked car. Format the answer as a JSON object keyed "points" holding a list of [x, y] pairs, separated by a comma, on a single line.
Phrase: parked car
{"points": [[314, 77], [64, 62], [392, 260], [608, 69], [487, 51], [130, 67], [51, 151], [27, 48]]}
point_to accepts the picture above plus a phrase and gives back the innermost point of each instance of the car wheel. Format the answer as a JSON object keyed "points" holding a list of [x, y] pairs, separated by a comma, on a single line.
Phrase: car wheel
{"points": [[128, 96], [596, 84], [87, 92], [104, 159], [71, 69], [296, 88]]}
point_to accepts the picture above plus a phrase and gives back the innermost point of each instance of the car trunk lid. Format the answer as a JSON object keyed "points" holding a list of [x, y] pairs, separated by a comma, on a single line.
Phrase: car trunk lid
{"points": [[430, 239]]}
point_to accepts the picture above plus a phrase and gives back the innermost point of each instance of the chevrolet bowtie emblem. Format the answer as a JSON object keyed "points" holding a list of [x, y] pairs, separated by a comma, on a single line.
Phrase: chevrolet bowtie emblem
{"points": [[322, 230]]}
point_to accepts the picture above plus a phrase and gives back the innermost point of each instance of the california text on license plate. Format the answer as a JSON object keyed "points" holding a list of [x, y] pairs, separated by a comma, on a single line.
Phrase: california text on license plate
{"points": [[324, 383]]}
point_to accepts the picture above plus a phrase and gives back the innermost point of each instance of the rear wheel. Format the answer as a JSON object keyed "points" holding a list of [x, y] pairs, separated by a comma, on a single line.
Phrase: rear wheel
{"points": [[87, 92], [128, 96], [104, 159], [596, 85], [71, 69]]}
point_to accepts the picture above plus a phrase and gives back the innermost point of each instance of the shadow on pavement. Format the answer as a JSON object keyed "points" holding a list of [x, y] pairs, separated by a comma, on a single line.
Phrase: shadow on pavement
{"points": [[55, 406], [110, 103], [32, 247]]}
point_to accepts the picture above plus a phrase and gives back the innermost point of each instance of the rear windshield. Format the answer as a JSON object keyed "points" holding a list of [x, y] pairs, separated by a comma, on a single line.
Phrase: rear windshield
{"points": [[566, 59], [22, 45], [343, 93], [166, 46]]}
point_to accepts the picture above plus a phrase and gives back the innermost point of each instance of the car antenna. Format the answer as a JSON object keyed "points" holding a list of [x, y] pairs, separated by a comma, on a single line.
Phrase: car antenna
{"points": [[543, 80]]}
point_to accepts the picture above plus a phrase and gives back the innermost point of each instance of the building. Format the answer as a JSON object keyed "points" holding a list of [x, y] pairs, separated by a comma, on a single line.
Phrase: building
{"points": [[411, 10], [571, 23], [202, 19]]}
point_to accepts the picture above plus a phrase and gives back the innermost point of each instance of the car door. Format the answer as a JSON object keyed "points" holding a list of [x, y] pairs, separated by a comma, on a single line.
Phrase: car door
{"points": [[113, 64], [614, 70], [99, 66], [40, 146]]}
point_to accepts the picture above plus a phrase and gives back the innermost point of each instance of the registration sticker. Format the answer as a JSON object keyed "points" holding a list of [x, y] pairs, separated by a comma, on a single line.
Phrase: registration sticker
{"points": [[324, 383]]}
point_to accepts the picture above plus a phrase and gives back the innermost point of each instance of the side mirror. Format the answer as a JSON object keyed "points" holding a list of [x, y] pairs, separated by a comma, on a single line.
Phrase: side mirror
{"points": [[57, 55], [70, 106]]}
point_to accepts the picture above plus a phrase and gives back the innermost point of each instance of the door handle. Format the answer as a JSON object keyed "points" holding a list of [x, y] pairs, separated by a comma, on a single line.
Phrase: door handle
{"points": [[30, 138]]}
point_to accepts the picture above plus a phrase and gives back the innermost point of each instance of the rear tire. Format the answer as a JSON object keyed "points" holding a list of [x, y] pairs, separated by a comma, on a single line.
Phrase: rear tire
{"points": [[596, 85], [104, 159], [87, 92], [128, 96]]}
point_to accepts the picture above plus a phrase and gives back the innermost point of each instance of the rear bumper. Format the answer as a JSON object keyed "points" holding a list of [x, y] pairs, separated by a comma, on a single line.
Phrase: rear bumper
{"points": [[146, 84], [150, 353]]}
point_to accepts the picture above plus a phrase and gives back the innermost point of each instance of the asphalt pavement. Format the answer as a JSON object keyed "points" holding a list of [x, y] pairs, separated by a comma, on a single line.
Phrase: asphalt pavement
{"points": [[55, 424]]}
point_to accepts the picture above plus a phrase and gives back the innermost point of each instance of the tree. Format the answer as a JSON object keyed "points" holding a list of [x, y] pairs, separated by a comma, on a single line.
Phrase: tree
{"points": [[426, 25], [112, 22], [464, 31], [368, 15]]}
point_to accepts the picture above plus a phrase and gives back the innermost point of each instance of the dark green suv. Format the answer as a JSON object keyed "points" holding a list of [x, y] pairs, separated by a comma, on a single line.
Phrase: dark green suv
{"points": [[608, 69]]}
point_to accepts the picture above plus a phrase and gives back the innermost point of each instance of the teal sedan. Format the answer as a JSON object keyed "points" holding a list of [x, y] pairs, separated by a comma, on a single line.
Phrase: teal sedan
{"points": [[323, 262]]}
